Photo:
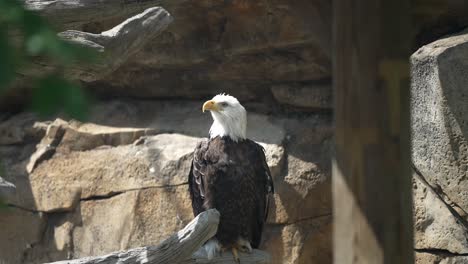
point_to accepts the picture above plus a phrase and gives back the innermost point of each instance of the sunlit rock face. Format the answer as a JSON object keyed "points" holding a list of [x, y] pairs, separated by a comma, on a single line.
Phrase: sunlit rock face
{"points": [[120, 181], [439, 129]]}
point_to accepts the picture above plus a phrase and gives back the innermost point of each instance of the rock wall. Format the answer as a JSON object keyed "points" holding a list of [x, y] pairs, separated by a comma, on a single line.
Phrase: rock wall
{"points": [[120, 181], [439, 108]]}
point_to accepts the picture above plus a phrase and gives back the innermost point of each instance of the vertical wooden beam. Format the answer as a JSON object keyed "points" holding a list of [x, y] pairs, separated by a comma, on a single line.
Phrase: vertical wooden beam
{"points": [[371, 176]]}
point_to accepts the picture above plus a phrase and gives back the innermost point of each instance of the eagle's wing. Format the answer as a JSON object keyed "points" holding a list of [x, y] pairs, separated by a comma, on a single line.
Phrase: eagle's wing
{"points": [[266, 190], [270, 189], [197, 179]]}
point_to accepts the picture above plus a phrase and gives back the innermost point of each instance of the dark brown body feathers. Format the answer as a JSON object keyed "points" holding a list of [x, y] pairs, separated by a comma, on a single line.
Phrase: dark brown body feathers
{"points": [[234, 178]]}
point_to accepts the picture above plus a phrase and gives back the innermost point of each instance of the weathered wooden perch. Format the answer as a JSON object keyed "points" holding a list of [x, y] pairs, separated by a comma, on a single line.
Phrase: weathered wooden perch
{"points": [[118, 43], [181, 247], [73, 14], [115, 46]]}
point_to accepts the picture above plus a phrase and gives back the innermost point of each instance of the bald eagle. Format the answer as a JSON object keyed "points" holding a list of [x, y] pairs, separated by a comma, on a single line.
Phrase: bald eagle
{"points": [[229, 172]]}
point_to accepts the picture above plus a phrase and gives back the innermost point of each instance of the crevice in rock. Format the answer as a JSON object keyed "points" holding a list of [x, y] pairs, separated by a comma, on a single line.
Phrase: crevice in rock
{"points": [[102, 197], [116, 193], [24, 208], [439, 252], [439, 195], [298, 221]]}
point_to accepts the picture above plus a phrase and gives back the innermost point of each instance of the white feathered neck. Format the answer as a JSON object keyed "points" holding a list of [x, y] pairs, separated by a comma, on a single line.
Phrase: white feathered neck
{"points": [[230, 120]]}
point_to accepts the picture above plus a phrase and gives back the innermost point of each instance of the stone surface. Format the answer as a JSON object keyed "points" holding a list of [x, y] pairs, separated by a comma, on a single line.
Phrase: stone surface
{"points": [[439, 109], [435, 227], [138, 218], [236, 46], [424, 258], [179, 116], [307, 241], [162, 160], [318, 96], [306, 175], [19, 129], [436, 19], [121, 181], [20, 230]]}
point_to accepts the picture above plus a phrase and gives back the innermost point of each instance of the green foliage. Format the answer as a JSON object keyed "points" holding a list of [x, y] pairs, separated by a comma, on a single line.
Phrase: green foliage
{"points": [[24, 36]]}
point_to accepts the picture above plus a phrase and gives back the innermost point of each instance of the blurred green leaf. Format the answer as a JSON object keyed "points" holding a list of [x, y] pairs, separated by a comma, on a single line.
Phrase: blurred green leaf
{"points": [[76, 102], [3, 206], [7, 60], [54, 94], [32, 37], [12, 11]]}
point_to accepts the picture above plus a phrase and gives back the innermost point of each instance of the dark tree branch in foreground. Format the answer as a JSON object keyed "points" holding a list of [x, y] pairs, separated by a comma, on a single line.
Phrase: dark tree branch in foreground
{"points": [[181, 247]]}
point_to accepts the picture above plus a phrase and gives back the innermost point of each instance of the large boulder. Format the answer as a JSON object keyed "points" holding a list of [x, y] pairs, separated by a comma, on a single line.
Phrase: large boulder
{"points": [[435, 227], [439, 130], [438, 108]]}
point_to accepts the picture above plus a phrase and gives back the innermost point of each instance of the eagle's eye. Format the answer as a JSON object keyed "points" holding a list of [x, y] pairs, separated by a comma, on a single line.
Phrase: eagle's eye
{"points": [[224, 104]]}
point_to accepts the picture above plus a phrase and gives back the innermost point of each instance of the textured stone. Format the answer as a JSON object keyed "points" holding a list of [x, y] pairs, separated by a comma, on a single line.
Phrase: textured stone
{"points": [[112, 185], [183, 117], [435, 227], [162, 160], [426, 258], [20, 230], [20, 128], [438, 107], [131, 219], [305, 180], [235, 46], [307, 241], [310, 96], [79, 137]]}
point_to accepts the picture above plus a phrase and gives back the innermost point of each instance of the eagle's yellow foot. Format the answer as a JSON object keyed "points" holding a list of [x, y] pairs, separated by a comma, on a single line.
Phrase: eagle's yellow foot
{"points": [[236, 255]]}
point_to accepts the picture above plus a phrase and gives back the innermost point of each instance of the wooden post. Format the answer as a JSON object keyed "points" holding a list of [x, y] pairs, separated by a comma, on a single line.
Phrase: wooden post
{"points": [[371, 172]]}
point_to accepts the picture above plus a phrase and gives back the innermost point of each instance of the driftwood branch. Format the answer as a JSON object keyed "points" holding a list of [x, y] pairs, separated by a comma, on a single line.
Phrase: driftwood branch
{"points": [[115, 45], [73, 14], [181, 247]]}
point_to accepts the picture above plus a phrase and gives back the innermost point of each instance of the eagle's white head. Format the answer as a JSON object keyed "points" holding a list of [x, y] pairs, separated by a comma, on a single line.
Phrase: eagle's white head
{"points": [[229, 117]]}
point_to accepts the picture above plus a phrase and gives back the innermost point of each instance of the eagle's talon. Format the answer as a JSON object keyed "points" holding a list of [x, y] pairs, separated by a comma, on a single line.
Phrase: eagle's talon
{"points": [[236, 255], [244, 246]]}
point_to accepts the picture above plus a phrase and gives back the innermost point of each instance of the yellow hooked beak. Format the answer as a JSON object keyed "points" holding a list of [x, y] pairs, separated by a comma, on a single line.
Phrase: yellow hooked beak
{"points": [[210, 105]]}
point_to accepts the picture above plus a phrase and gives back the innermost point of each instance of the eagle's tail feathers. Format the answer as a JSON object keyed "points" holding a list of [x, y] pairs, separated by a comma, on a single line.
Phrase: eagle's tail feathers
{"points": [[212, 248]]}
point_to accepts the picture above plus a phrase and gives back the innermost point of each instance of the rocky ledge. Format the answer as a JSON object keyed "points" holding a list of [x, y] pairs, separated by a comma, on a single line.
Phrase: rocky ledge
{"points": [[90, 188]]}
